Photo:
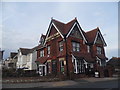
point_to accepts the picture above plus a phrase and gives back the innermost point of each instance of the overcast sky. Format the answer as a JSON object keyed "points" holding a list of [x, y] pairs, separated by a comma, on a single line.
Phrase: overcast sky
{"points": [[23, 23]]}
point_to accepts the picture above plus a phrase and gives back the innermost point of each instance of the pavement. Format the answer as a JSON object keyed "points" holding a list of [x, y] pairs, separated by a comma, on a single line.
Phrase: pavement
{"points": [[67, 83], [98, 79]]}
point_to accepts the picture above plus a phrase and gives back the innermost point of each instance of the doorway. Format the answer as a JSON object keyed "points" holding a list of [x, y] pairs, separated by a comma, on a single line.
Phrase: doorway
{"points": [[42, 70], [54, 67]]}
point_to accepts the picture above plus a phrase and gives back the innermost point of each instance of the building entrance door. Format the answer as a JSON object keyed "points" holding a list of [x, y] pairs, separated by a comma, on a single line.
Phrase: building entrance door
{"points": [[54, 67], [42, 70]]}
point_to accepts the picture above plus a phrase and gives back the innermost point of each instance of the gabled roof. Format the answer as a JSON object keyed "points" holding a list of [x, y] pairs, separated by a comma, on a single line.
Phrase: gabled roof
{"points": [[65, 28], [13, 54], [91, 35], [25, 51], [59, 25]]}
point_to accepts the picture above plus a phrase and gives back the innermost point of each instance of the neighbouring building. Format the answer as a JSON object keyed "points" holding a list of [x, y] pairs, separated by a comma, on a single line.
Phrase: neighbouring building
{"points": [[68, 51], [1, 58], [114, 63], [11, 61], [26, 58], [1, 54]]}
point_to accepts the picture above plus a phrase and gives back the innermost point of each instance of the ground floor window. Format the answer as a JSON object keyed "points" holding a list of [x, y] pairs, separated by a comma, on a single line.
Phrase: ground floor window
{"points": [[48, 67], [81, 66], [62, 66]]}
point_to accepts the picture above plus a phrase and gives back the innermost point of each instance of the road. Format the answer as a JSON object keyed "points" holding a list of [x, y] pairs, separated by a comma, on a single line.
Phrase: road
{"points": [[101, 84], [67, 84]]}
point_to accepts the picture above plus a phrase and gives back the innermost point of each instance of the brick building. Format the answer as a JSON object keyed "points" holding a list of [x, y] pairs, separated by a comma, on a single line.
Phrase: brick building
{"points": [[68, 51]]}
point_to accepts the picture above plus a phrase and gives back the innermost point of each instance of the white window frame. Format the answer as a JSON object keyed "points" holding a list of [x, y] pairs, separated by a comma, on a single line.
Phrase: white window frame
{"points": [[75, 46], [48, 50], [61, 46], [41, 53], [99, 50]]}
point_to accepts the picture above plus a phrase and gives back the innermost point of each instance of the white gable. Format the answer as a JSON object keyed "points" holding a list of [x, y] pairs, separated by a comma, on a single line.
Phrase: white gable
{"points": [[79, 30], [99, 34]]}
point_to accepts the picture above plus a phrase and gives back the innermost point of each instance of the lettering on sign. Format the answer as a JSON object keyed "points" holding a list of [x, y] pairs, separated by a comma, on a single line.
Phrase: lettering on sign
{"points": [[52, 37]]}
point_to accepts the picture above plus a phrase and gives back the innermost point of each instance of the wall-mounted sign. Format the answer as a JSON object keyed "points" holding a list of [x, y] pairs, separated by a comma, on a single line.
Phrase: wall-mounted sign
{"points": [[52, 37]]}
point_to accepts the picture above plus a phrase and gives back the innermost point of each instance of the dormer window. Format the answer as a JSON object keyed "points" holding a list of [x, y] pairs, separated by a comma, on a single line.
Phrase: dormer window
{"points": [[42, 53], [99, 50]]}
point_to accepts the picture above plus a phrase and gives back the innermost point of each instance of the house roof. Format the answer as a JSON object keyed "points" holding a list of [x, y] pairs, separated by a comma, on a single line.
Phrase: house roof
{"points": [[102, 56], [114, 61], [65, 28], [26, 51], [42, 60], [86, 56], [13, 54], [90, 35]]}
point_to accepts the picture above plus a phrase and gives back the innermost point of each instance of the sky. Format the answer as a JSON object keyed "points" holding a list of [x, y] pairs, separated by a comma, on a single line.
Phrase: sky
{"points": [[23, 22]]}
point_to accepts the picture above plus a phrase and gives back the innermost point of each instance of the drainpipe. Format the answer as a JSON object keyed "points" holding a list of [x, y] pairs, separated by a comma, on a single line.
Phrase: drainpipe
{"points": [[67, 70]]}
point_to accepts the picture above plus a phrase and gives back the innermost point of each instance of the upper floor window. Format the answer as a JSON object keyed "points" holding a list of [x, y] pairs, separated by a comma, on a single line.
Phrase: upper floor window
{"points": [[61, 46], [88, 48], [76, 46], [42, 53], [99, 50], [48, 50]]}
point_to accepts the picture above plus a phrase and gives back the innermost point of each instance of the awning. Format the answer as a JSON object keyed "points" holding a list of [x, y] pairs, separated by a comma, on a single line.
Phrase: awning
{"points": [[102, 57], [86, 57]]}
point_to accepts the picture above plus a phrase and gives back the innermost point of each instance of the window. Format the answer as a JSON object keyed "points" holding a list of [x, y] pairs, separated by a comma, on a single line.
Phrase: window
{"points": [[88, 48], [48, 50], [48, 67], [80, 66], [76, 46], [61, 46], [62, 66], [42, 53], [103, 63], [99, 50]]}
